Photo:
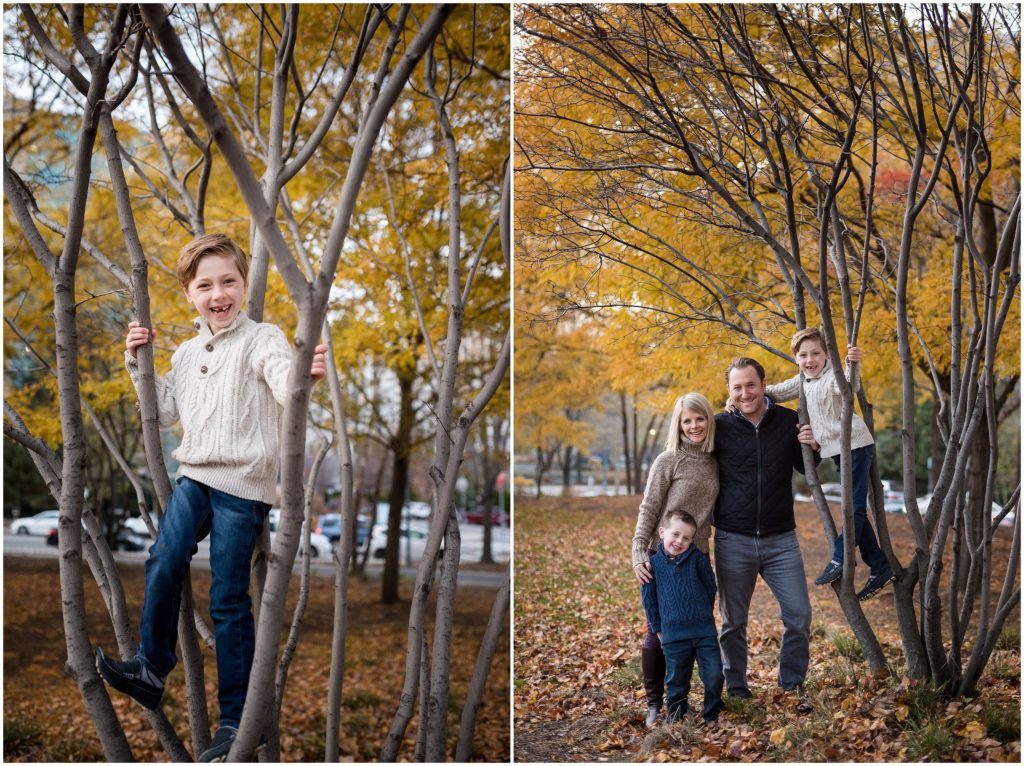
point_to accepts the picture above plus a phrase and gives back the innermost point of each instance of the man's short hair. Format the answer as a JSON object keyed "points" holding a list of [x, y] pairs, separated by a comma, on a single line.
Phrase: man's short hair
{"points": [[744, 361], [810, 333], [208, 244], [683, 516]]}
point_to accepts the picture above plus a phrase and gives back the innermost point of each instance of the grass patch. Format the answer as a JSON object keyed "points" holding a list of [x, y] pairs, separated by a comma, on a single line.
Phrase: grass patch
{"points": [[627, 676], [848, 646], [1009, 639], [930, 743], [922, 701], [25, 739], [21, 737], [1001, 723]]}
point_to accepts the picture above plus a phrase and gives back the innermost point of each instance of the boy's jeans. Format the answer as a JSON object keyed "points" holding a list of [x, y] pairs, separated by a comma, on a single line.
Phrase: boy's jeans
{"points": [[679, 656], [865, 538], [233, 524]]}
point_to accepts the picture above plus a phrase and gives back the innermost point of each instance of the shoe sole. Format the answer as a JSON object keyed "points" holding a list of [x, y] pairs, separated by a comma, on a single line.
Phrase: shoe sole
{"points": [[876, 591], [141, 695]]}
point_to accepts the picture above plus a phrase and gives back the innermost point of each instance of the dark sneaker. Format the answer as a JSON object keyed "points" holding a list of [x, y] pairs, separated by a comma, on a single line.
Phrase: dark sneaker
{"points": [[803, 701], [741, 692], [652, 716], [219, 748], [832, 572], [133, 678], [875, 584]]}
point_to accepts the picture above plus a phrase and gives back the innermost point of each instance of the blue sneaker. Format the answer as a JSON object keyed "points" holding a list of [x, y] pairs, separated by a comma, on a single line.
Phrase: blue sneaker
{"points": [[832, 572], [875, 584], [219, 748]]}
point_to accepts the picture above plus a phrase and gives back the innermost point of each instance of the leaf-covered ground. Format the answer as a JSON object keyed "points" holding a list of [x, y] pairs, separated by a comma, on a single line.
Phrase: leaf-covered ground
{"points": [[45, 718], [578, 688]]}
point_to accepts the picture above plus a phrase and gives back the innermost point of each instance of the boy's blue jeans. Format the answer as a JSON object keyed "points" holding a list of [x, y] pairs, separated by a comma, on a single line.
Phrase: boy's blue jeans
{"points": [[233, 524], [865, 539], [679, 657]]}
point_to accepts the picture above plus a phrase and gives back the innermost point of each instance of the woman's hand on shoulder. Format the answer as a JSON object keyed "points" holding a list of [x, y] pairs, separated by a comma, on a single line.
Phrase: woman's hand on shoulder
{"points": [[643, 572]]}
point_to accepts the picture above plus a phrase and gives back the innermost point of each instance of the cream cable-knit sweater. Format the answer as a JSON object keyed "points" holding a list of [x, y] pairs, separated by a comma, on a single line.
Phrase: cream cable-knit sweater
{"points": [[685, 480], [227, 388], [824, 408]]}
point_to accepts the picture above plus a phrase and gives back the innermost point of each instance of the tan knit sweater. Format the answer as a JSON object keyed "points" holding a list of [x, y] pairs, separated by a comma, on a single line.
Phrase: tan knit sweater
{"points": [[227, 389], [685, 480], [824, 408]]}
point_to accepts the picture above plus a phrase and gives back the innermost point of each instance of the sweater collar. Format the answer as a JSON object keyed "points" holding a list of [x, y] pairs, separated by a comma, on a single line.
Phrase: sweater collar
{"points": [[688, 447], [205, 333], [675, 559]]}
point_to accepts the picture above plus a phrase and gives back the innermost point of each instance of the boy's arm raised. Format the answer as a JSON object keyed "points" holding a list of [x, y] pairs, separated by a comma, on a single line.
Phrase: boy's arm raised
{"points": [[273, 358], [785, 391], [167, 407]]}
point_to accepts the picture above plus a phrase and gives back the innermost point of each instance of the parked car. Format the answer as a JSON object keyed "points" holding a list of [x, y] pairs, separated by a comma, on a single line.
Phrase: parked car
{"points": [[411, 545], [476, 516], [40, 524], [319, 546], [922, 504], [330, 527], [130, 539]]}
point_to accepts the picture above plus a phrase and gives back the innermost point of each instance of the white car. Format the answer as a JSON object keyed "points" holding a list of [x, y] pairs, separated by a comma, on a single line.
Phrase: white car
{"points": [[319, 546], [922, 505], [40, 524], [411, 544]]}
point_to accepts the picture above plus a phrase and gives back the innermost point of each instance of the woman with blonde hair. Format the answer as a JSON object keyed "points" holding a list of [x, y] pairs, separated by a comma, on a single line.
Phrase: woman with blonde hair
{"points": [[685, 478]]}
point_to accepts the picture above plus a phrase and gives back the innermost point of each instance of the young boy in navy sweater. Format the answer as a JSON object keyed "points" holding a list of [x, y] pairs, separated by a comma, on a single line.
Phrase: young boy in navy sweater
{"points": [[679, 603]]}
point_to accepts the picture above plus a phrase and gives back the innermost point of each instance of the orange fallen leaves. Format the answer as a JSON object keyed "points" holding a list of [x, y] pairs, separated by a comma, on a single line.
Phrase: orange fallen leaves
{"points": [[578, 658]]}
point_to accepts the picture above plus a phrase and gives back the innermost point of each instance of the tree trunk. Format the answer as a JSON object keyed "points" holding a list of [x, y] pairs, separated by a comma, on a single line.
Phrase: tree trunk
{"points": [[402, 448]]}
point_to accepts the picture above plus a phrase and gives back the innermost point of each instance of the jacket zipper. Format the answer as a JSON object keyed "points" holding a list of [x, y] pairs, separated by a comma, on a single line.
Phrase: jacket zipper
{"points": [[757, 445]]}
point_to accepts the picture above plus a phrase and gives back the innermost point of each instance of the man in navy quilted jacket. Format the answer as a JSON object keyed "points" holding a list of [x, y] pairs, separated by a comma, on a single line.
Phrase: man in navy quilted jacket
{"points": [[758, 447], [680, 606]]}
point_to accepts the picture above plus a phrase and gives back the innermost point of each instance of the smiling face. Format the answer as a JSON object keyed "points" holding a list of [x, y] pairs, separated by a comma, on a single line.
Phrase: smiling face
{"points": [[747, 390], [811, 357], [693, 425], [677, 536], [217, 290]]}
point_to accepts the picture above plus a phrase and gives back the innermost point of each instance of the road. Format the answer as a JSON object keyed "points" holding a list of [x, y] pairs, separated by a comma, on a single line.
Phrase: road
{"points": [[472, 548]]}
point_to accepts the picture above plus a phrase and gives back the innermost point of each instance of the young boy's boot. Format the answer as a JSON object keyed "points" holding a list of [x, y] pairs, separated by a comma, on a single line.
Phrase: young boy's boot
{"points": [[133, 677], [652, 662]]}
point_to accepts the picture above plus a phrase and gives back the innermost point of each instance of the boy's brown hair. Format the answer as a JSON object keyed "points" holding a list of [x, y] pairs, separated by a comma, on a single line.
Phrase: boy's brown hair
{"points": [[810, 333], [208, 244], [683, 516]]}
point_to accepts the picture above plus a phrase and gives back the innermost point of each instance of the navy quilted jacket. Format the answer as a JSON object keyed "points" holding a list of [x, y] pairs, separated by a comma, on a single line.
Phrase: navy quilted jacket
{"points": [[680, 600], [755, 472]]}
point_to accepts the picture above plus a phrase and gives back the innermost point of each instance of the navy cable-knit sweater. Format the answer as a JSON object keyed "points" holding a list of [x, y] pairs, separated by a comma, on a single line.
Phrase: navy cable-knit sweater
{"points": [[680, 600]]}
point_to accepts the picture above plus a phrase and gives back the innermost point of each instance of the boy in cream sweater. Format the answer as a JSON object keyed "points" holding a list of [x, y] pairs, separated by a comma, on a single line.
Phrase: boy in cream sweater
{"points": [[824, 409], [226, 385]]}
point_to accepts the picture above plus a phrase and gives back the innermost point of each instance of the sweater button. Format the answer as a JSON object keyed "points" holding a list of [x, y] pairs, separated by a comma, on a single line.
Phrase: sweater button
{"points": [[209, 347], [203, 369]]}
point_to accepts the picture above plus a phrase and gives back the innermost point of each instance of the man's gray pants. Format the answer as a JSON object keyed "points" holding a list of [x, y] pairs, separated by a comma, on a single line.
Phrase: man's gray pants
{"points": [[739, 559]]}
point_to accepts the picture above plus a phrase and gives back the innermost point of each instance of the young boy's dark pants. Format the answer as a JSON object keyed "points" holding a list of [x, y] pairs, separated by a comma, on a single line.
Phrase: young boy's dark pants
{"points": [[864, 535], [679, 657], [233, 524]]}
